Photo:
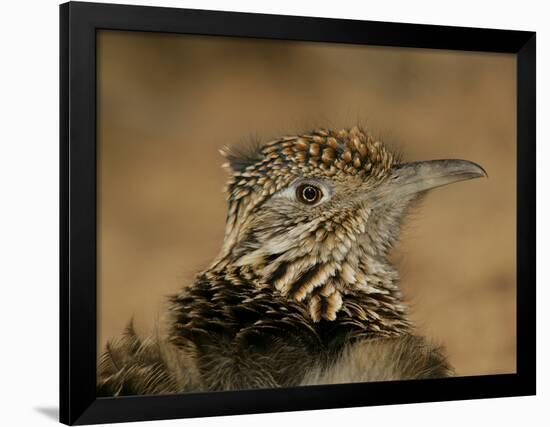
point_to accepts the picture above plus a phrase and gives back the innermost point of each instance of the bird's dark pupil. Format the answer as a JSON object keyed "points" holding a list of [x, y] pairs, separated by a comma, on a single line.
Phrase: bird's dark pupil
{"points": [[310, 194]]}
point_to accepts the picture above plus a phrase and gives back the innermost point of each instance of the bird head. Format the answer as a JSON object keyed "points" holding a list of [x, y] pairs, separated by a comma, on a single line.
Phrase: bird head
{"points": [[316, 215]]}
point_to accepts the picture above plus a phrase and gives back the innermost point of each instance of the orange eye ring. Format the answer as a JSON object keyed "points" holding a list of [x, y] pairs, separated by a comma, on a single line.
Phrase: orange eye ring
{"points": [[308, 194]]}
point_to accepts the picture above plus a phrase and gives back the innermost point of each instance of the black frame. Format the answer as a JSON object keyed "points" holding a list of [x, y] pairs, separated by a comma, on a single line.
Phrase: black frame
{"points": [[78, 25]]}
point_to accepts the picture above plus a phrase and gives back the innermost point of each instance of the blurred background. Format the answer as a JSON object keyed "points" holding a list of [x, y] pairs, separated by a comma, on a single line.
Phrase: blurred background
{"points": [[166, 103]]}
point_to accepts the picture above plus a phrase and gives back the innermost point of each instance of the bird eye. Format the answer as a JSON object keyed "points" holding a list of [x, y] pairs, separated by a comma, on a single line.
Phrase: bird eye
{"points": [[308, 194]]}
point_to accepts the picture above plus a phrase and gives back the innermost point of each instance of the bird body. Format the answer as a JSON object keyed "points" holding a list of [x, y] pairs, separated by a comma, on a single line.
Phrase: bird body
{"points": [[302, 291]]}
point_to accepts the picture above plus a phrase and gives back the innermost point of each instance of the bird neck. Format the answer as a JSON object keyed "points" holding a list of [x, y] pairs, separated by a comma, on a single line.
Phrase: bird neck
{"points": [[361, 289]]}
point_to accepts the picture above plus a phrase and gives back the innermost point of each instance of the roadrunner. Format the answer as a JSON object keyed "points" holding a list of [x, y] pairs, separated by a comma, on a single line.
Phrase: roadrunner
{"points": [[302, 291]]}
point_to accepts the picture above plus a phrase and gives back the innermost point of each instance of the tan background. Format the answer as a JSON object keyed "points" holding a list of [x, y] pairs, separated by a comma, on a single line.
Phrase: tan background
{"points": [[168, 102]]}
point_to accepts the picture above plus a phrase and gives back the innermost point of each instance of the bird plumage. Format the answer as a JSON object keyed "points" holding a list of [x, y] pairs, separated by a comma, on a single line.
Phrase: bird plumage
{"points": [[302, 291]]}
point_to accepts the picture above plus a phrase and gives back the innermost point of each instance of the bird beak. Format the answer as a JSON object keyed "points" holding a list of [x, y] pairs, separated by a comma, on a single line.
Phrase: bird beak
{"points": [[409, 179]]}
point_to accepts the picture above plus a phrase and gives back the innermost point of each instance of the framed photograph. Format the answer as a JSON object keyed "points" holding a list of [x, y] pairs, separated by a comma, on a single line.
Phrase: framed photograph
{"points": [[268, 213]]}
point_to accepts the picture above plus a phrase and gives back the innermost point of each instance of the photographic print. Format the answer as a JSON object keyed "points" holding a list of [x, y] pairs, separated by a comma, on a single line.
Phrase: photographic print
{"points": [[278, 213]]}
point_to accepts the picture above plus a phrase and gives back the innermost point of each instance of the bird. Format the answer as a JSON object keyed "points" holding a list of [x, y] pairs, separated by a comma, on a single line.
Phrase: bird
{"points": [[302, 291]]}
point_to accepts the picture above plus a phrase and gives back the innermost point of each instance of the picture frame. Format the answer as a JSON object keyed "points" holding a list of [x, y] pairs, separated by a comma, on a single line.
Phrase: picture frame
{"points": [[79, 23]]}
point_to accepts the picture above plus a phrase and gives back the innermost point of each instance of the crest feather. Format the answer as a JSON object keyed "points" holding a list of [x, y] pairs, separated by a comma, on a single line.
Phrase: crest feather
{"points": [[239, 158]]}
